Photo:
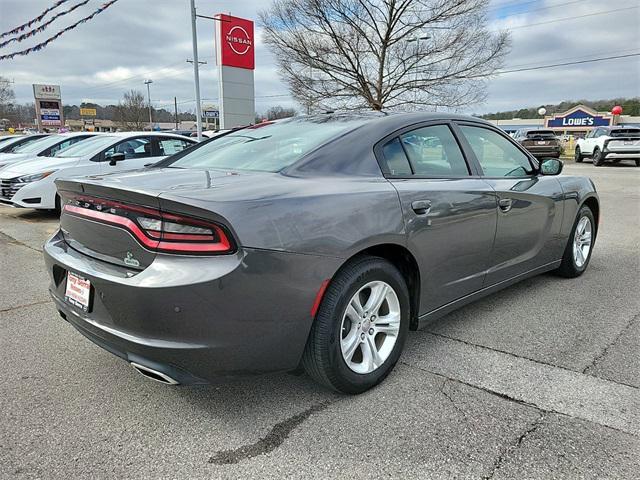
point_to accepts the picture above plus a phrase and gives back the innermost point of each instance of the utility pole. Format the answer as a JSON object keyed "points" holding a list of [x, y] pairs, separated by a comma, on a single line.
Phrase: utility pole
{"points": [[147, 83], [196, 65], [175, 106]]}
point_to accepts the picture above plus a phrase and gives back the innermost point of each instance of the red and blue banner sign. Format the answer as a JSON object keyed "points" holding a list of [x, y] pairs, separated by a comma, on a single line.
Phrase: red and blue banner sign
{"points": [[579, 117]]}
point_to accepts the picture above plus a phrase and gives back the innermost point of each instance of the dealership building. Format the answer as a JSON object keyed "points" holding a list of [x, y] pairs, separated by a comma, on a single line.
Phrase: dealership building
{"points": [[577, 121]]}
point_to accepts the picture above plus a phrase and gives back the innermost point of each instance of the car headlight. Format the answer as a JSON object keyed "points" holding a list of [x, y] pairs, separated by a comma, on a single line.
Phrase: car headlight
{"points": [[34, 177]]}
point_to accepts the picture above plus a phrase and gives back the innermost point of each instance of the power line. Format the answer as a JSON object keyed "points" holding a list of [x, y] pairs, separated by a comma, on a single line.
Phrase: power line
{"points": [[576, 57], [579, 62], [574, 17]]}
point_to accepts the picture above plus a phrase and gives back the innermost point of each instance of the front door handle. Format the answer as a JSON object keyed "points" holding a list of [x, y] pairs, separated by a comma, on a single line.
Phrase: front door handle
{"points": [[505, 204], [421, 207]]}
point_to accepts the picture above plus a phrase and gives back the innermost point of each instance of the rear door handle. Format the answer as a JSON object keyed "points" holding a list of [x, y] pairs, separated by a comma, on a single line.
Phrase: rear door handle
{"points": [[505, 204], [421, 207]]}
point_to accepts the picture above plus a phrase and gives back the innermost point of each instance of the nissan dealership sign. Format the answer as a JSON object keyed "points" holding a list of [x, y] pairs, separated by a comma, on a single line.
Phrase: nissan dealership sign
{"points": [[235, 53]]}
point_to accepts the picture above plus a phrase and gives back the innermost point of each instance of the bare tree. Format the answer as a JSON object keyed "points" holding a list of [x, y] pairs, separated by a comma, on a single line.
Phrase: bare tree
{"points": [[373, 54], [131, 112], [6, 97], [277, 112]]}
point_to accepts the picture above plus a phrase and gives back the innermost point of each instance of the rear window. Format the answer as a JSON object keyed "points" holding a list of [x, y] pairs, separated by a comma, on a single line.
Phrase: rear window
{"points": [[271, 147], [626, 132], [541, 133]]}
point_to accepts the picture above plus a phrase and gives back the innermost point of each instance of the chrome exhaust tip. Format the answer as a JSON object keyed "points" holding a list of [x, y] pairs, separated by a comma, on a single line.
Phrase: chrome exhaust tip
{"points": [[154, 374]]}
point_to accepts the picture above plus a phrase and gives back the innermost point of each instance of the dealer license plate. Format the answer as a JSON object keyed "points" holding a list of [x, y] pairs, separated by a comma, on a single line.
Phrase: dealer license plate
{"points": [[542, 142], [78, 291]]}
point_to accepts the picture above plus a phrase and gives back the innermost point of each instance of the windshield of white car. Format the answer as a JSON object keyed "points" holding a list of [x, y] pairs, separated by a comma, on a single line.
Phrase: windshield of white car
{"points": [[40, 145], [89, 146], [267, 147]]}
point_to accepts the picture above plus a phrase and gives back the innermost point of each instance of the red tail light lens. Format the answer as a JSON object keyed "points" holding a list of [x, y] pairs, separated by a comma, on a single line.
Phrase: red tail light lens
{"points": [[155, 230]]}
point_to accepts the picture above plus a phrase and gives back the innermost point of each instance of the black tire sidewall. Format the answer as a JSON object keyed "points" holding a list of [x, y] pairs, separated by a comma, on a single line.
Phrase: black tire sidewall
{"points": [[347, 380], [578, 155], [597, 157]]}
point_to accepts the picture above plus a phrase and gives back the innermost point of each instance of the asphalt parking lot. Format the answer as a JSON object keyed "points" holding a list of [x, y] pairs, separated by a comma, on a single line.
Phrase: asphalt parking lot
{"points": [[538, 381]]}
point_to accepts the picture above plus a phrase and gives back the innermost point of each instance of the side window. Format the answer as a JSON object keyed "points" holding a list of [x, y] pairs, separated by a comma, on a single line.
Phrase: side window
{"points": [[169, 146], [498, 157], [395, 159], [433, 151], [62, 145], [132, 148]]}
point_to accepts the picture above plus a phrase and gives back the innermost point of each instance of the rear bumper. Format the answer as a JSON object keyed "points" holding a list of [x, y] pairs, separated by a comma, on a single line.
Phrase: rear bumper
{"points": [[544, 151], [631, 155], [196, 319]]}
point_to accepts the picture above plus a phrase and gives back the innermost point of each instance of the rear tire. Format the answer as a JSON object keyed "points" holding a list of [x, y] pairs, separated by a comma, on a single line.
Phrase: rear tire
{"points": [[578, 155], [573, 263], [353, 357], [598, 158]]}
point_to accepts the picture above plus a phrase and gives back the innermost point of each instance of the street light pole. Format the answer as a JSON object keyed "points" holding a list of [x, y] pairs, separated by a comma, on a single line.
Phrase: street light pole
{"points": [[147, 83], [196, 73], [415, 90]]}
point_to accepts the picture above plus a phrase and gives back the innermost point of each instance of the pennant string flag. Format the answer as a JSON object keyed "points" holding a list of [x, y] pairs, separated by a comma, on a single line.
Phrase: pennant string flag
{"points": [[42, 27], [39, 18], [42, 45]]}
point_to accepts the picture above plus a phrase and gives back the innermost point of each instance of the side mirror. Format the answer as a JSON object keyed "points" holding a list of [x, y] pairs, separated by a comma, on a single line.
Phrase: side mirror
{"points": [[114, 158], [551, 166]]}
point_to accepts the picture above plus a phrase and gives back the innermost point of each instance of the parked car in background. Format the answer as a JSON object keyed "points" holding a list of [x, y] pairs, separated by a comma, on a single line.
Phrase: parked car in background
{"points": [[10, 143], [610, 143], [30, 183], [46, 146], [314, 240], [541, 143]]}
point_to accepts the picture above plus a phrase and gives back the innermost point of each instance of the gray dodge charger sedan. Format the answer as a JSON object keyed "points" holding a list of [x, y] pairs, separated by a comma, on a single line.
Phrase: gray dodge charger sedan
{"points": [[314, 242]]}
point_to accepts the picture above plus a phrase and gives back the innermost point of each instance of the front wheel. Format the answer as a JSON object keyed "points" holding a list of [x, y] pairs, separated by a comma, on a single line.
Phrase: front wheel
{"points": [[361, 326], [577, 253], [637, 162], [578, 155]]}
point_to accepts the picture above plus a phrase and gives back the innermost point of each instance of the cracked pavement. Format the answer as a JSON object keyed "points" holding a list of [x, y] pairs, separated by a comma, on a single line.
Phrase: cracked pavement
{"points": [[541, 380]]}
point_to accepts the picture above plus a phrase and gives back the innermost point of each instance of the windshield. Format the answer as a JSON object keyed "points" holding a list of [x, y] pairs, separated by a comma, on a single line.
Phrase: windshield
{"points": [[267, 147], [90, 146], [40, 144]]}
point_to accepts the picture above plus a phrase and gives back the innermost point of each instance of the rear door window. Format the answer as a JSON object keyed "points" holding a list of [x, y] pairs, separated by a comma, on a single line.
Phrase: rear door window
{"points": [[169, 146], [425, 152]]}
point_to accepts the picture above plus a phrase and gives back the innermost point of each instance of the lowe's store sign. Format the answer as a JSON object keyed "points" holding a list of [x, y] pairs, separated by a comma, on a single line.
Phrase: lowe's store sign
{"points": [[578, 118]]}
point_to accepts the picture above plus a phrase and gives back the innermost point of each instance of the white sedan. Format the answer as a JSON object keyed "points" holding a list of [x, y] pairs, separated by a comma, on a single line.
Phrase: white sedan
{"points": [[30, 183], [43, 147]]}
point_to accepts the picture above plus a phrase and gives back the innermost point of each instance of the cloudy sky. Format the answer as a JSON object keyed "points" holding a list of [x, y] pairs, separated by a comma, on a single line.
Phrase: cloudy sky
{"points": [[138, 39]]}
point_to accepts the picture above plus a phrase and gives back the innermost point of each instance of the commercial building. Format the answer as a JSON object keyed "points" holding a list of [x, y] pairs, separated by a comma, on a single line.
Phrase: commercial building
{"points": [[576, 122]]}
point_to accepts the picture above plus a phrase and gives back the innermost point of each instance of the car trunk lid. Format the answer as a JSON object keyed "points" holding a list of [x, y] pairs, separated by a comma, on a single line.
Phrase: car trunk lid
{"points": [[120, 218]]}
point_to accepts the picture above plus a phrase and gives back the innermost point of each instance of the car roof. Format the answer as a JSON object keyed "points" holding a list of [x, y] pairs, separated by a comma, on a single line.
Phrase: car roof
{"points": [[152, 134]]}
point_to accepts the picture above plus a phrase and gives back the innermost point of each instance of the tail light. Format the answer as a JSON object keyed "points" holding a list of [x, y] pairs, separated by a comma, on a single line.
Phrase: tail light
{"points": [[155, 230]]}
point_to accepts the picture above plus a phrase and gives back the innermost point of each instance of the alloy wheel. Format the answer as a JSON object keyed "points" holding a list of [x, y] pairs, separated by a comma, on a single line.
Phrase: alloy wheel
{"points": [[582, 242], [370, 327]]}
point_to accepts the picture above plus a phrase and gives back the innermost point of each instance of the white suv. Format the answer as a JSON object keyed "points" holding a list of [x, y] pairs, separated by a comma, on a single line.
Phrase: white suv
{"points": [[610, 143]]}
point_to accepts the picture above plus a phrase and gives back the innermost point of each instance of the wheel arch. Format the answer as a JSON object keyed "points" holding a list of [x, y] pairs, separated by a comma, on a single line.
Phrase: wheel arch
{"points": [[594, 206], [404, 260]]}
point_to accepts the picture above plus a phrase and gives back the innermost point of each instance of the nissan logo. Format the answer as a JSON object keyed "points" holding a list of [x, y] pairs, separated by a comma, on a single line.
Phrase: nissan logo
{"points": [[239, 40]]}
